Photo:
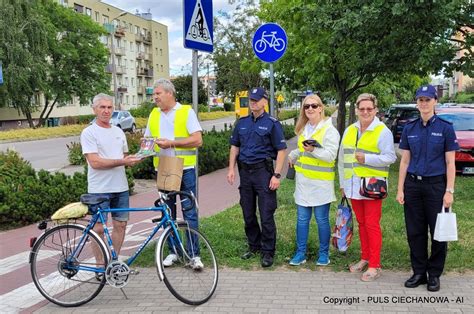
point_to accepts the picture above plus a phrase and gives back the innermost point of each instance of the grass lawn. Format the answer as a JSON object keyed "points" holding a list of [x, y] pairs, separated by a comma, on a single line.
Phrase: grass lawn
{"points": [[225, 232]]}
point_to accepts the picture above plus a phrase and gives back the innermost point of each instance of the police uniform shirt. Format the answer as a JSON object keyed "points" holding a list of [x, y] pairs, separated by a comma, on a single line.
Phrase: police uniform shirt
{"points": [[258, 138], [428, 145]]}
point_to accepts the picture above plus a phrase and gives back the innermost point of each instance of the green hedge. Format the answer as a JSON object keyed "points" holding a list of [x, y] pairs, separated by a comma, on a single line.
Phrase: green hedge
{"points": [[27, 196]]}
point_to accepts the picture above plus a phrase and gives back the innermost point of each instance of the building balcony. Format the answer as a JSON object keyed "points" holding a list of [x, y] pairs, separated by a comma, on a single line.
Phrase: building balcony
{"points": [[138, 37], [141, 71], [147, 56], [147, 39], [118, 69], [119, 51], [149, 90], [122, 89], [140, 55], [149, 72], [140, 89], [119, 31]]}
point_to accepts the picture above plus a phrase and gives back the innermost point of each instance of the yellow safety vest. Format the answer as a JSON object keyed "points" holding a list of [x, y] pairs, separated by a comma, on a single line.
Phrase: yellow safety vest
{"points": [[310, 166], [180, 132], [367, 143]]}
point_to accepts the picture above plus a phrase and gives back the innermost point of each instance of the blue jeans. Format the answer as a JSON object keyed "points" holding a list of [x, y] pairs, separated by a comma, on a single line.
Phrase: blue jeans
{"points": [[321, 214], [116, 200], [188, 184]]}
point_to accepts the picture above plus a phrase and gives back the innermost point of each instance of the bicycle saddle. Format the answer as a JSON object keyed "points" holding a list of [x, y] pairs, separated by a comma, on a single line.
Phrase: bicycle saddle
{"points": [[91, 199]]}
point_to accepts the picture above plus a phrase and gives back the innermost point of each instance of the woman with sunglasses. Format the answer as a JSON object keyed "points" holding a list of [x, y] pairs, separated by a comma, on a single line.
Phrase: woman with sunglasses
{"points": [[314, 162], [366, 151]]}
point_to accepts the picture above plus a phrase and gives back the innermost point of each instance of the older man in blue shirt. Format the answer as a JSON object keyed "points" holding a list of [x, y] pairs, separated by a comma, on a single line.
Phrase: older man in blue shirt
{"points": [[426, 185], [256, 141]]}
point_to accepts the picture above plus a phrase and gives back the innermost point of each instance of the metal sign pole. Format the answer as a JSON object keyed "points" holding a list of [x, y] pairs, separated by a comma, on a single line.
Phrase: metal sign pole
{"points": [[195, 107], [272, 91]]}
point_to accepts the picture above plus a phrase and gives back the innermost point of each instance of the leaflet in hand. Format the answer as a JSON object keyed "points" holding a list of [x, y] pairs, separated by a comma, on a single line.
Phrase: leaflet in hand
{"points": [[146, 148]]}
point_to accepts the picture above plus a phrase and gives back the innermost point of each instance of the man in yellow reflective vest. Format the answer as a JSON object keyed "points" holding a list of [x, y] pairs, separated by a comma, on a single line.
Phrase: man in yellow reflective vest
{"points": [[177, 132]]}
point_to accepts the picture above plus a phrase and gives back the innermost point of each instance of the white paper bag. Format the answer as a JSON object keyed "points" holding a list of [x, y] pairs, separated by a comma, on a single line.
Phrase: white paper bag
{"points": [[446, 228]]}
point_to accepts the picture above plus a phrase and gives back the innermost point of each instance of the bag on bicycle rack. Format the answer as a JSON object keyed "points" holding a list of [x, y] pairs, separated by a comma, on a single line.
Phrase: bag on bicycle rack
{"points": [[70, 211], [170, 172]]}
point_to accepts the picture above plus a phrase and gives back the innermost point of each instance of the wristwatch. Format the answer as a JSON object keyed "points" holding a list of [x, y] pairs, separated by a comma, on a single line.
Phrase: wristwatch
{"points": [[277, 175], [450, 191]]}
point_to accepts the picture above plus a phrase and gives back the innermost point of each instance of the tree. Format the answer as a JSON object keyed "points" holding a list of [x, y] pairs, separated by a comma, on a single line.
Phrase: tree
{"points": [[77, 59], [50, 54], [23, 47], [345, 45], [236, 66], [184, 90]]}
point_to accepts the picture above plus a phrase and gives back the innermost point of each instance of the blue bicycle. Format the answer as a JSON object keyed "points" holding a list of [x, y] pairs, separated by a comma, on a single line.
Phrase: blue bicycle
{"points": [[71, 263]]}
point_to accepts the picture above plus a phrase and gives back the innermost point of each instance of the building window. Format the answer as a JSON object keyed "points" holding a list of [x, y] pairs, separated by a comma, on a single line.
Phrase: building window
{"points": [[137, 30], [133, 100], [97, 17], [105, 18], [127, 101], [131, 46], [126, 81], [161, 52], [133, 84], [88, 12], [63, 2], [161, 36], [78, 8], [161, 66], [156, 35]]}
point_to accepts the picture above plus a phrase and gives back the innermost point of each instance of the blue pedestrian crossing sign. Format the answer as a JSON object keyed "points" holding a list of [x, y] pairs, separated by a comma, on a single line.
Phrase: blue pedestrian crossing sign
{"points": [[269, 42], [198, 25]]}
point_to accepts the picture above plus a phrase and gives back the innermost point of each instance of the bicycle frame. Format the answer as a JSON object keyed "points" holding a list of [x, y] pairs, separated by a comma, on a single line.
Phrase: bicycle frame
{"points": [[165, 222]]}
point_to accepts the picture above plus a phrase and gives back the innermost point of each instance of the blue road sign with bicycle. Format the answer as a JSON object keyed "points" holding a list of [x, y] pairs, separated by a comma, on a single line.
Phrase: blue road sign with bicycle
{"points": [[198, 25], [269, 42]]}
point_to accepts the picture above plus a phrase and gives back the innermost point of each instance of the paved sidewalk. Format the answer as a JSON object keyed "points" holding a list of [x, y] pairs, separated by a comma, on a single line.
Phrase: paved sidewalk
{"points": [[287, 291]]}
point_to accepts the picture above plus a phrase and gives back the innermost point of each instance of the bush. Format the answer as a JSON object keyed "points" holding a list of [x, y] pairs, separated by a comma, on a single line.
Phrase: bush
{"points": [[27, 196], [287, 114], [85, 119], [75, 155], [143, 110]]}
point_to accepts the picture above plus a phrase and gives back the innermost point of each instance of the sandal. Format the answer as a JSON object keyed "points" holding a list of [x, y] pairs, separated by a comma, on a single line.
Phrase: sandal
{"points": [[359, 267], [371, 275]]}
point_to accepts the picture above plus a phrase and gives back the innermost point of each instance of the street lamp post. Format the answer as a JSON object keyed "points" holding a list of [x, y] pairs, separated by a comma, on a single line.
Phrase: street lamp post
{"points": [[114, 70]]}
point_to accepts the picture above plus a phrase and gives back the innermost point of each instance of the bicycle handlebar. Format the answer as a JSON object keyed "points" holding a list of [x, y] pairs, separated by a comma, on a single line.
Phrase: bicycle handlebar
{"points": [[165, 196]]}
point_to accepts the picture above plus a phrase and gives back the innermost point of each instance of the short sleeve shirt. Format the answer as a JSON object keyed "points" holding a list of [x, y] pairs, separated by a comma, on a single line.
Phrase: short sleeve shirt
{"points": [[258, 139], [108, 143], [428, 145]]}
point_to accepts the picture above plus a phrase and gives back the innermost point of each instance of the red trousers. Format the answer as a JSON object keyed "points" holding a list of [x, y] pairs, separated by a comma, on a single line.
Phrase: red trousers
{"points": [[368, 214]]}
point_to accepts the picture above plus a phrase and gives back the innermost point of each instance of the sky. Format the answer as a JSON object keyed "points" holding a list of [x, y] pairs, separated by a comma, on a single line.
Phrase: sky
{"points": [[170, 13]]}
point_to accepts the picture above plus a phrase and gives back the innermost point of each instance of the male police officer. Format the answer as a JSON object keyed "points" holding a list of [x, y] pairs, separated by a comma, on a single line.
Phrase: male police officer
{"points": [[425, 185], [255, 142]]}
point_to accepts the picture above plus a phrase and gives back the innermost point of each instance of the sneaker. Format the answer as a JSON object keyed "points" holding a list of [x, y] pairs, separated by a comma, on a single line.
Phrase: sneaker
{"points": [[170, 260], [323, 261], [298, 259], [196, 263]]}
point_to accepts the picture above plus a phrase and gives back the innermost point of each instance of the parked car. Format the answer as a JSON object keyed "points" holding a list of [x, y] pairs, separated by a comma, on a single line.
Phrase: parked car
{"points": [[398, 116], [463, 123], [122, 119]]}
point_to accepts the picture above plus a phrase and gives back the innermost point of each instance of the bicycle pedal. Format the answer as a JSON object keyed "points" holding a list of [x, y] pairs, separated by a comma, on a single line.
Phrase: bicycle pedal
{"points": [[134, 272]]}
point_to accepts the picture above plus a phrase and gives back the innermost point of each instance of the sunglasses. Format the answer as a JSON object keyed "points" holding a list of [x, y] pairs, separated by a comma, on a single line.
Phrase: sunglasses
{"points": [[314, 106]]}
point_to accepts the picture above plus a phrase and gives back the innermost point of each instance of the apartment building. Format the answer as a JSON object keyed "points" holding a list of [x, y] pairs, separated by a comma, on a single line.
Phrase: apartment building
{"points": [[141, 55]]}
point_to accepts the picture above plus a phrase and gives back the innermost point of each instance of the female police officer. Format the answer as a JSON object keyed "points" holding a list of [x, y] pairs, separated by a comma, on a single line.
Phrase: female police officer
{"points": [[425, 185], [256, 141]]}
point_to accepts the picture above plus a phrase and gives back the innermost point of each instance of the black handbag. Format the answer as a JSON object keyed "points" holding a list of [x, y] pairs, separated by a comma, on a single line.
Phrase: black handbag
{"points": [[372, 187]]}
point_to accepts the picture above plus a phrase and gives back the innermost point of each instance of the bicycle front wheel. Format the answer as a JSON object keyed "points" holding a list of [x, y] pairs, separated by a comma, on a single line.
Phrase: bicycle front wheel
{"points": [[191, 276], [62, 266]]}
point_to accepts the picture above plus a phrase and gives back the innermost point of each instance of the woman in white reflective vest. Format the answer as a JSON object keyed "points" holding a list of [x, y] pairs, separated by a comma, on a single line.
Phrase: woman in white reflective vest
{"points": [[366, 150], [315, 173]]}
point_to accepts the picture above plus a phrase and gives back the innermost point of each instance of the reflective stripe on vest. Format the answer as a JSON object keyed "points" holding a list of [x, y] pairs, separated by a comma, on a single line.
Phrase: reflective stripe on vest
{"points": [[367, 144], [180, 132], [310, 166]]}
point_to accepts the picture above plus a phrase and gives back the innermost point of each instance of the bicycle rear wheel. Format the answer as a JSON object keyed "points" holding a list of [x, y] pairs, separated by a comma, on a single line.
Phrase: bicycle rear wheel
{"points": [[61, 277], [190, 282]]}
